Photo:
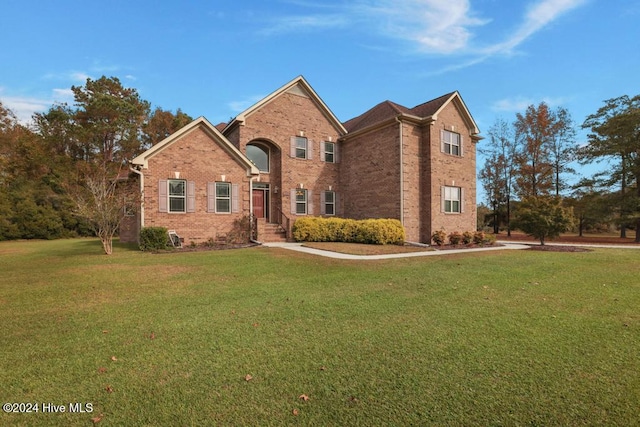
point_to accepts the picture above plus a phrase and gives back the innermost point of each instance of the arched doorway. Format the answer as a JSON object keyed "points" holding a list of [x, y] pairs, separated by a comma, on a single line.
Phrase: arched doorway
{"points": [[264, 191]]}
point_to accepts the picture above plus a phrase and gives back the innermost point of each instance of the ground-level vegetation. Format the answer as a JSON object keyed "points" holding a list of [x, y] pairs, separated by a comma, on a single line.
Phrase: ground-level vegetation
{"points": [[265, 336]]}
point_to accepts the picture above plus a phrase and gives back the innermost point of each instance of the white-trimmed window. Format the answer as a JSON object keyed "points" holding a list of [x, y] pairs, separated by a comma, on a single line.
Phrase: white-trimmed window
{"points": [[301, 202], [452, 199], [329, 152], [451, 142], [176, 196], [223, 197], [302, 147], [328, 202]]}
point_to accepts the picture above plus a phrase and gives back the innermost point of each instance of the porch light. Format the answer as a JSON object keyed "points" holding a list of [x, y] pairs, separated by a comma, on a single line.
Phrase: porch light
{"points": [[275, 189]]}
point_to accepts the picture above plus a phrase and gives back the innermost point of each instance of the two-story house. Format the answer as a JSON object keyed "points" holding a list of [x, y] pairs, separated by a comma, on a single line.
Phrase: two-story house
{"points": [[288, 156]]}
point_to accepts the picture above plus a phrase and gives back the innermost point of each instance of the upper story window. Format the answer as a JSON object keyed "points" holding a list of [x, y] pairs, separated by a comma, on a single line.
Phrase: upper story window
{"points": [[259, 155], [302, 147], [451, 142], [177, 195], [329, 152]]}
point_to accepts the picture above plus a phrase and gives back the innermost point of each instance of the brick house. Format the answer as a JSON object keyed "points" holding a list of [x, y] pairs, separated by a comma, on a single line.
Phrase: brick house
{"points": [[289, 156]]}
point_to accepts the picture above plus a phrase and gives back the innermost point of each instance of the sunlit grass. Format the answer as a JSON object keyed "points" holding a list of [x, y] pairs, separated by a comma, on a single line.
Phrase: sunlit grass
{"points": [[498, 338]]}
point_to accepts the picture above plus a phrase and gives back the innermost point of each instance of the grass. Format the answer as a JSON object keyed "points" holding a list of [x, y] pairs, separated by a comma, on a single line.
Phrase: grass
{"points": [[497, 338]]}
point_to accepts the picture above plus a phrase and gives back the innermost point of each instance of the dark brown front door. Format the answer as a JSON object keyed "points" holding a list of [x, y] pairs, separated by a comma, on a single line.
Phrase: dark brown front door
{"points": [[258, 203]]}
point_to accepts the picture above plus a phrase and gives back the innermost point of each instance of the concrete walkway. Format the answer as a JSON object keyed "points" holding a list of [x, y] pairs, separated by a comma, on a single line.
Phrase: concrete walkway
{"points": [[510, 245], [336, 255]]}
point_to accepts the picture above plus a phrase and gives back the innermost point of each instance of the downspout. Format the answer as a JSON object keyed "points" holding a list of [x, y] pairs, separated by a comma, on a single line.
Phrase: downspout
{"points": [[401, 172], [251, 222], [137, 172]]}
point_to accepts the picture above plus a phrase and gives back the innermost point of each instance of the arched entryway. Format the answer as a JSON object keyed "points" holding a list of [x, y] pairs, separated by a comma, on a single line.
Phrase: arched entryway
{"points": [[265, 189]]}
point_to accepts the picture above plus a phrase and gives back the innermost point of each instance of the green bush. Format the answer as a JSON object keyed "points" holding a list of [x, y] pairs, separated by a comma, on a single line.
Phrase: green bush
{"points": [[455, 238], [153, 238], [467, 237], [371, 231], [439, 237]]}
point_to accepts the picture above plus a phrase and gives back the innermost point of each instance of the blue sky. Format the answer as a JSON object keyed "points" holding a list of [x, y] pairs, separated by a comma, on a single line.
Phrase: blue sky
{"points": [[216, 58]]}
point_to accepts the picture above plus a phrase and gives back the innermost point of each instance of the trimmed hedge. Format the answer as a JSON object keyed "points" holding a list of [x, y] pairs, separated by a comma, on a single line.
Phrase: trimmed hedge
{"points": [[153, 238], [371, 231]]}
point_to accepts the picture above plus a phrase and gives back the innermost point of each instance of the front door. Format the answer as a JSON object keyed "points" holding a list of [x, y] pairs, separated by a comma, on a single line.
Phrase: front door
{"points": [[261, 201]]}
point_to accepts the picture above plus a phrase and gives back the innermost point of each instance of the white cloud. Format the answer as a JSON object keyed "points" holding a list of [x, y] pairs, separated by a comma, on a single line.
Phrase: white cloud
{"points": [[240, 106], [289, 24], [437, 26], [24, 107], [538, 16], [520, 103]]}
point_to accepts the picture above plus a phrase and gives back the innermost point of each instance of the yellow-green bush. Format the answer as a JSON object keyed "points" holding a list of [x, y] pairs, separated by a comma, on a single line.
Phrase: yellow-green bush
{"points": [[372, 231]]}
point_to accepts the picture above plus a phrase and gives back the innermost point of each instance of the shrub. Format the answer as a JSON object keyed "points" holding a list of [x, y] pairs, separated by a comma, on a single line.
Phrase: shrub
{"points": [[439, 237], [153, 238], [467, 237], [489, 239], [371, 231], [478, 237], [455, 238]]}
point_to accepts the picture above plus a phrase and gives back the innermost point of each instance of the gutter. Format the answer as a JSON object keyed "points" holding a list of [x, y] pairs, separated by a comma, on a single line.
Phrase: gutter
{"points": [[251, 239], [401, 172], [137, 172]]}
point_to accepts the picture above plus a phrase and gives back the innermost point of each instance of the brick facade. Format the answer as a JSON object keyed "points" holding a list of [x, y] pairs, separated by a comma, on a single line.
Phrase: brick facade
{"points": [[388, 164]]}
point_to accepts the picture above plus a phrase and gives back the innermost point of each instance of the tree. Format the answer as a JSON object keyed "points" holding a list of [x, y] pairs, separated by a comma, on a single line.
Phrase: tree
{"points": [[110, 118], [534, 134], [591, 206], [543, 217], [562, 148], [497, 176], [615, 136], [101, 198], [161, 124]]}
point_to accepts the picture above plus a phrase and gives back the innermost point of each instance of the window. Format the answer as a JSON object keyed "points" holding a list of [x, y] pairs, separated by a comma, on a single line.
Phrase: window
{"points": [[329, 202], [451, 143], [259, 155], [301, 202], [452, 200], [301, 147], [223, 197], [177, 195], [329, 152]]}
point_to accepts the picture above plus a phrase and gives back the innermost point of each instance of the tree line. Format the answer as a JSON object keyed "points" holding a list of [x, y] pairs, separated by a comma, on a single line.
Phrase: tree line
{"points": [[53, 169], [528, 166]]}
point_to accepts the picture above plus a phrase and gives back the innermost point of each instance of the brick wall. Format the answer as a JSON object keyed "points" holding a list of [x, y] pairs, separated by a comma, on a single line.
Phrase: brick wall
{"points": [[448, 170], [291, 114], [200, 158], [369, 174]]}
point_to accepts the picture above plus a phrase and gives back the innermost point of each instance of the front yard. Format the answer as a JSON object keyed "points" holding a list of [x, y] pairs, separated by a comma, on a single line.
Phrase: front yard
{"points": [[265, 336]]}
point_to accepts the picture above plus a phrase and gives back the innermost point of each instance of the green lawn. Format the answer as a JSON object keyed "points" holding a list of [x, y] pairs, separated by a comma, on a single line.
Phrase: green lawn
{"points": [[498, 338]]}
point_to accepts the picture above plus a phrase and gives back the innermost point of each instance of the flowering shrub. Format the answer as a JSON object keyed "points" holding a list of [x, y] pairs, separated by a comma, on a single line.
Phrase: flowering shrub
{"points": [[372, 231], [439, 237], [455, 238]]}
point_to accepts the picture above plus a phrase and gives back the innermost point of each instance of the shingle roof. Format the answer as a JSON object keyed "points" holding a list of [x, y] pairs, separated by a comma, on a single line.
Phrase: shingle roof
{"points": [[387, 109]]}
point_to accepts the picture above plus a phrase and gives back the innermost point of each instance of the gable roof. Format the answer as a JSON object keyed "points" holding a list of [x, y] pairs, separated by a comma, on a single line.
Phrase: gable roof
{"points": [[201, 123], [429, 110], [300, 86]]}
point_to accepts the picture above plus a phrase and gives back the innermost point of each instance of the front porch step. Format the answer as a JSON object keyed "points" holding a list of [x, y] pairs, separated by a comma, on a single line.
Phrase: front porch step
{"points": [[273, 233]]}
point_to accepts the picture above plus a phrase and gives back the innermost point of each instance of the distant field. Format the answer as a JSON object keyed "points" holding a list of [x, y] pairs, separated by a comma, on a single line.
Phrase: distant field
{"points": [[265, 336]]}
